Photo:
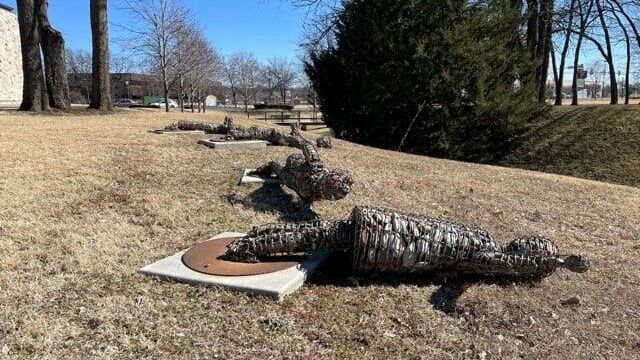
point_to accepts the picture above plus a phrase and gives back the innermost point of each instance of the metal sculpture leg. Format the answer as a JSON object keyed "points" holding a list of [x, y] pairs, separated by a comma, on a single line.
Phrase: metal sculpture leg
{"points": [[532, 245], [523, 264], [290, 238]]}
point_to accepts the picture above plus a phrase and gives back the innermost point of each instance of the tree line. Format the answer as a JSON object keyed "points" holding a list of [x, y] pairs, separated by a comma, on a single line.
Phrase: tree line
{"points": [[160, 36], [455, 78], [247, 78], [603, 24]]}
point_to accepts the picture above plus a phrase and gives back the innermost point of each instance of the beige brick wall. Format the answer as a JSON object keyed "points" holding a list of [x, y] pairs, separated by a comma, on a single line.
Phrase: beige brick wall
{"points": [[10, 60]]}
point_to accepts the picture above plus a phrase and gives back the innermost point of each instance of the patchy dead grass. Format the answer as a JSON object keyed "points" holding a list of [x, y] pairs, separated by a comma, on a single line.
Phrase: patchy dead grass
{"points": [[86, 200], [598, 142]]}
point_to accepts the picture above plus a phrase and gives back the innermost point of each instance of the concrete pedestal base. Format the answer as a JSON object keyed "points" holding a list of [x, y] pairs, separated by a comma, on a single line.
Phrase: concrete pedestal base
{"points": [[277, 284], [252, 179], [248, 144]]}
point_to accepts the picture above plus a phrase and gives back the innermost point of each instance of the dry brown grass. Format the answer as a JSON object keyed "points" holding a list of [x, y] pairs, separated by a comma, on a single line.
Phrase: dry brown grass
{"points": [[86, 200]]}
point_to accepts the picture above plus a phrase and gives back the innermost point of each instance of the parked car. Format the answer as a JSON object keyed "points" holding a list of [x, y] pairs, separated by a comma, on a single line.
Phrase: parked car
{"points": [[161, 104], [124, 103]]}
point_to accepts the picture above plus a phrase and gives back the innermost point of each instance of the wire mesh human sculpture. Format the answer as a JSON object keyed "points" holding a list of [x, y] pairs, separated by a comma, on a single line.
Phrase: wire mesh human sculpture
{"points": [[384, 240]]}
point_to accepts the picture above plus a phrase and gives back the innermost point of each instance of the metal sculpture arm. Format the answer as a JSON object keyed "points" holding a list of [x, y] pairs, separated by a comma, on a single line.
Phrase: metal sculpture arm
{"points": [[386, 240]]}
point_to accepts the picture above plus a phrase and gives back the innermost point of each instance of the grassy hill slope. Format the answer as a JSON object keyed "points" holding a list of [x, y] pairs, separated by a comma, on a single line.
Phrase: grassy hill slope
{"points": [[86, 200], [598, 142]]}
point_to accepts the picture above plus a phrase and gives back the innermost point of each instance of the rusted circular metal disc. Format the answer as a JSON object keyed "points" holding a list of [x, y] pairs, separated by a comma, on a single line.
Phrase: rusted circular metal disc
{"points": [[204, 258]]}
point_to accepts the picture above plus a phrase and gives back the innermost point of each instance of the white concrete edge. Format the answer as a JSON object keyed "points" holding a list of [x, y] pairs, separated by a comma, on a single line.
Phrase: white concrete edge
{"points": [[172, 268], [252, 179]]}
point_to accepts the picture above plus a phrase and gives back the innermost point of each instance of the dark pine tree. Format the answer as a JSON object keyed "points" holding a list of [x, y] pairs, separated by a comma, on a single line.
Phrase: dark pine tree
{"points": [[441, 78]]}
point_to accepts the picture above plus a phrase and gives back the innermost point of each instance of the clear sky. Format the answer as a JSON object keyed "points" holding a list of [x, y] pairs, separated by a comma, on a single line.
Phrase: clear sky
{"points": [[267, 28]]}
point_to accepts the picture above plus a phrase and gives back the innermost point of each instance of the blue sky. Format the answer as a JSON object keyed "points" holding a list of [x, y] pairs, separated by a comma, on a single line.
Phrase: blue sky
{"points": [[268, 28]]}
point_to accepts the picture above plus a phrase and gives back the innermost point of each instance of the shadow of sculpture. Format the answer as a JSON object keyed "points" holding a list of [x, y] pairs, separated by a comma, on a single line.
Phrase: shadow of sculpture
{"points": [[271, 198], [451, 286]]}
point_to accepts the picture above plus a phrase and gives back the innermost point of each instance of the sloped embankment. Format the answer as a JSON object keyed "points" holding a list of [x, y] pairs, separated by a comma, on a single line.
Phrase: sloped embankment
{"points": [[598, 142]]}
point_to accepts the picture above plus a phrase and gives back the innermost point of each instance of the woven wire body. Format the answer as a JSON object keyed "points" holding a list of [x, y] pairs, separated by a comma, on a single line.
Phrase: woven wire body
{"points": [[387, 240], [382, 240]]}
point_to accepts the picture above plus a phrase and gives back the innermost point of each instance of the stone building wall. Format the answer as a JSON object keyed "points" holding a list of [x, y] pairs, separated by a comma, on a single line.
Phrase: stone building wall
{"points": [[10, 60]]}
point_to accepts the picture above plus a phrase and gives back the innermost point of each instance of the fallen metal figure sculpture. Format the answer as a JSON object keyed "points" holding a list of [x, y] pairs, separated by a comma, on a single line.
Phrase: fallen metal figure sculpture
{"points": [[306, 174], [324, 141], [389, 241], [234, 132]]}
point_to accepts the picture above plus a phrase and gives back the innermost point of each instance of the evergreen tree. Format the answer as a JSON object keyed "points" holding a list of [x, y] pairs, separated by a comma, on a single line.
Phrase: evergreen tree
{"points": [[439, 77]]}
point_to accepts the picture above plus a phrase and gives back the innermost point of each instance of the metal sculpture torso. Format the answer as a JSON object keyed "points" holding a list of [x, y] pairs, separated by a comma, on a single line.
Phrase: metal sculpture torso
{"points": [[384, 240]]}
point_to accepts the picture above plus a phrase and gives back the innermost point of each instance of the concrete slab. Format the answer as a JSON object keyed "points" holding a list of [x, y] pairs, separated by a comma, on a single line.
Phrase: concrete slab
{"points": [[276, 285], [245, 144], [162, 131], [253, 179]]}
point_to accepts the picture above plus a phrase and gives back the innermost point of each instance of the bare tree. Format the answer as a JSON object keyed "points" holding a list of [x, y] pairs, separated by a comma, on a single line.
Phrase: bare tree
{"points": [[559, 77], [608, 55], [322, 17], [243, 72], [154, 29], [231, 76], [78, 64], [120, 63], [281, 75], [100, 84], [539, 29], [185, 62], [584, 8], [627, 41], [204, 66], [53, 52]]}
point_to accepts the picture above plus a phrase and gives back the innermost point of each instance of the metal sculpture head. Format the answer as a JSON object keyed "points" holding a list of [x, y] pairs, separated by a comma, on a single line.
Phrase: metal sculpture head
{"points": [[577, 263], [337, 184]]}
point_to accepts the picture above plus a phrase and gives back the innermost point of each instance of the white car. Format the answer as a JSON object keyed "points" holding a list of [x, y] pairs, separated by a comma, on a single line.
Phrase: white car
{"points": [[161, 104]]}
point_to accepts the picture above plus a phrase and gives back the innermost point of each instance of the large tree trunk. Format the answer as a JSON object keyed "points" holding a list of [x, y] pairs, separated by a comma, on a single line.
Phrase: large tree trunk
{"points": [[574, 83], [539, 13], [191, 98], [532, 28], [627, 41], [544, 46], [34, 91], [609, 57], [563, 56], [53, 55], [100, 85], [165, 89], [627, 70], [584, 18]]}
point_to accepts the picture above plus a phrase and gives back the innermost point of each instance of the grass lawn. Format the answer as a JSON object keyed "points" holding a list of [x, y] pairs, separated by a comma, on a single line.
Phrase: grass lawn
{"points": [[598, 142], [86, 200]]}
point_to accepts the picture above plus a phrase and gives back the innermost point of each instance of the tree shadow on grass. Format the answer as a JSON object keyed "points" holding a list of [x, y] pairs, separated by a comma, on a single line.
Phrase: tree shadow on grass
{"points": [[451, 286], [271, 198]]}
